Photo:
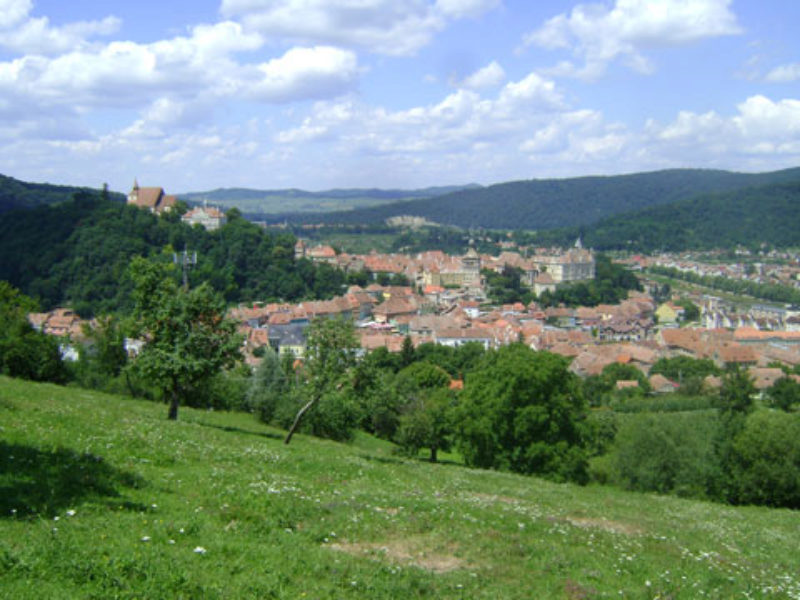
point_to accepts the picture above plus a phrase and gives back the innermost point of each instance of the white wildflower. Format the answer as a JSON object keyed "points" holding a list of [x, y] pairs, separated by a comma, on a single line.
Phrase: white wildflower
{"points": [[145, 538], [199, 550], [70, 513]]}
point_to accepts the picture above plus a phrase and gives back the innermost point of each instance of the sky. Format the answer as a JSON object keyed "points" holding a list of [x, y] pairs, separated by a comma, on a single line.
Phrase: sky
{"points": [[193, 95]]}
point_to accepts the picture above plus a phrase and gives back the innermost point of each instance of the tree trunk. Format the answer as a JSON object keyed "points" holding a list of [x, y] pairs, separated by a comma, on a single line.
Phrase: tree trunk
{"points": [[434, 451], [173, 406], [298, 418]]}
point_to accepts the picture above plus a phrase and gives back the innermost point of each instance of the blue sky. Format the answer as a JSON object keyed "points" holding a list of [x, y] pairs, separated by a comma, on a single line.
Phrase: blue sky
{"points": [[314, 94]]}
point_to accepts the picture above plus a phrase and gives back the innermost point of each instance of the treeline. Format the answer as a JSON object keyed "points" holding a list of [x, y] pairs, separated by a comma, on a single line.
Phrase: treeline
{"points": [[765, 291], [557, 203], [76, 253], [15, 194]]}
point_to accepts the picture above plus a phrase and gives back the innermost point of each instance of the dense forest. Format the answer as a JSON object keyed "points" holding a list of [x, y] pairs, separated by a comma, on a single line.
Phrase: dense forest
{"points": [[749, 217], [20, 194], [555, 203], [77, 253]]}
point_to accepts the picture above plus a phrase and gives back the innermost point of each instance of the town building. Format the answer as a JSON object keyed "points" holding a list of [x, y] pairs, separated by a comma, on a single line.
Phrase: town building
{"points": [[209, 217]]}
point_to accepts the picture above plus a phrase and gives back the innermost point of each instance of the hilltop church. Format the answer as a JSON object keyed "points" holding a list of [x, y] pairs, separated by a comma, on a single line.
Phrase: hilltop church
{"points": [[151, 198]]}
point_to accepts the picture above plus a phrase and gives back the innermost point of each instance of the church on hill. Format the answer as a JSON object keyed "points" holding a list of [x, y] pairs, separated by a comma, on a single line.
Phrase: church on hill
{"points": [[151, 198]]}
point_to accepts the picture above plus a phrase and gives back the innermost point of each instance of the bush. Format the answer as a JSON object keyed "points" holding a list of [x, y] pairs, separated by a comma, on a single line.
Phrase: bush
{"points": [[766, 460], [668, 454]]}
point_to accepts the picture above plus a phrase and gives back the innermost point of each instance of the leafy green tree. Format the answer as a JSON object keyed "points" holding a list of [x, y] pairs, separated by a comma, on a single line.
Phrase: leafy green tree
{"points": [[522, 410], [25, 352], [268, 385], [784, 393], [690, 310], [407, 353], [426, 375], [766, 460], [189, 340], [683, 368], [330, 354], [737, 391], [426, 423], [668, 454]]}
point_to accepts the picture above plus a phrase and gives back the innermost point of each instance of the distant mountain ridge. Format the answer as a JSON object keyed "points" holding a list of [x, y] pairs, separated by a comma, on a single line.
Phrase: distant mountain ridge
{"points": [[292, 200], [16, 194], [558, 203]]}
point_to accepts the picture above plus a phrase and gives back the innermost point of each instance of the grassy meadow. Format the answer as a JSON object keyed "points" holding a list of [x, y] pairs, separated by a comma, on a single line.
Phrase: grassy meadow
{"points": [[102, 497]]}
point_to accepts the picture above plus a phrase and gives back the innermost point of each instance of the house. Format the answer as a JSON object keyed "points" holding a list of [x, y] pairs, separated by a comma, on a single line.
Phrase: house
{"points": [[209, 217], [321, 254], [288, 338], [394, 307], [151, 198], [668, 313], [661, 385], [458, 337]]}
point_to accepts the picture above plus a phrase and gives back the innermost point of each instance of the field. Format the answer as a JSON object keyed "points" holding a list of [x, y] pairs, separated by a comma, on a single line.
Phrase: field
{"points": [[102, 497]]}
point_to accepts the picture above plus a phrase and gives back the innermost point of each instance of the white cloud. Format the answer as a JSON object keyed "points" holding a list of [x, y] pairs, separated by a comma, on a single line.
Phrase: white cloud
{"points": [[762, 132], [22, 33], [489, 76], [202, 64], [14, 11], [393, 27], [459, 9], [599, 35], [304, 73], [784, 73]]}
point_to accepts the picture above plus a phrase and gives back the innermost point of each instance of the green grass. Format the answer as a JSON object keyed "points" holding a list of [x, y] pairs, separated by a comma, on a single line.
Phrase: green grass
{"points": [[102, 497]]}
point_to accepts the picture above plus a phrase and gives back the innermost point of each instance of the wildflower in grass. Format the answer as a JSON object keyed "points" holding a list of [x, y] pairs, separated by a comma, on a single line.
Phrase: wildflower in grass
{"points": [[70, 513], [171, 542], [56, 518], [199, 550], [145, 538]]}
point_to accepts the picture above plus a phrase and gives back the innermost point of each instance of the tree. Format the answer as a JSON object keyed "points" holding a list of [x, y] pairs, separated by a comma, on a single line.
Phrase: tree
{"points": [[784, 393], [268, 385], [330, 353], [766, 460], [426, 423], [737, 391], [189, 340], [522, 410], [25, 352], [407, 354]]}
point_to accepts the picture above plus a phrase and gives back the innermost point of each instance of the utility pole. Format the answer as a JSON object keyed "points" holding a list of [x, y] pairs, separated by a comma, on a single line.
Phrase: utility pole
{"points": [[185, 259]]}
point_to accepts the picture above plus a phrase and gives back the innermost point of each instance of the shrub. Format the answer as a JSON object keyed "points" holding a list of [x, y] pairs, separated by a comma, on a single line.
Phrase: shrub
{"points": [[766, 460], [668, 454]]}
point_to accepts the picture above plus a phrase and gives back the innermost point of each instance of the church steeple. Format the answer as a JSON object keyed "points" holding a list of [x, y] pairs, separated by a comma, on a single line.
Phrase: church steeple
{"points": [[133, 196]]}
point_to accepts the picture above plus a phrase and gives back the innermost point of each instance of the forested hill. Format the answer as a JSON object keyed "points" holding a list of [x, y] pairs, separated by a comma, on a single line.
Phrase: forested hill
{"points": [[555, 203], [270, 202], [20, 194], [768, 214], [76, 254]]}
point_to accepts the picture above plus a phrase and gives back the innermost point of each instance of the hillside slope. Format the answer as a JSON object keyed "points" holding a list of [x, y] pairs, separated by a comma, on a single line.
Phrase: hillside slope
{"points": [[751, 216], [555, 203], [103, 497], [16, 194]]}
